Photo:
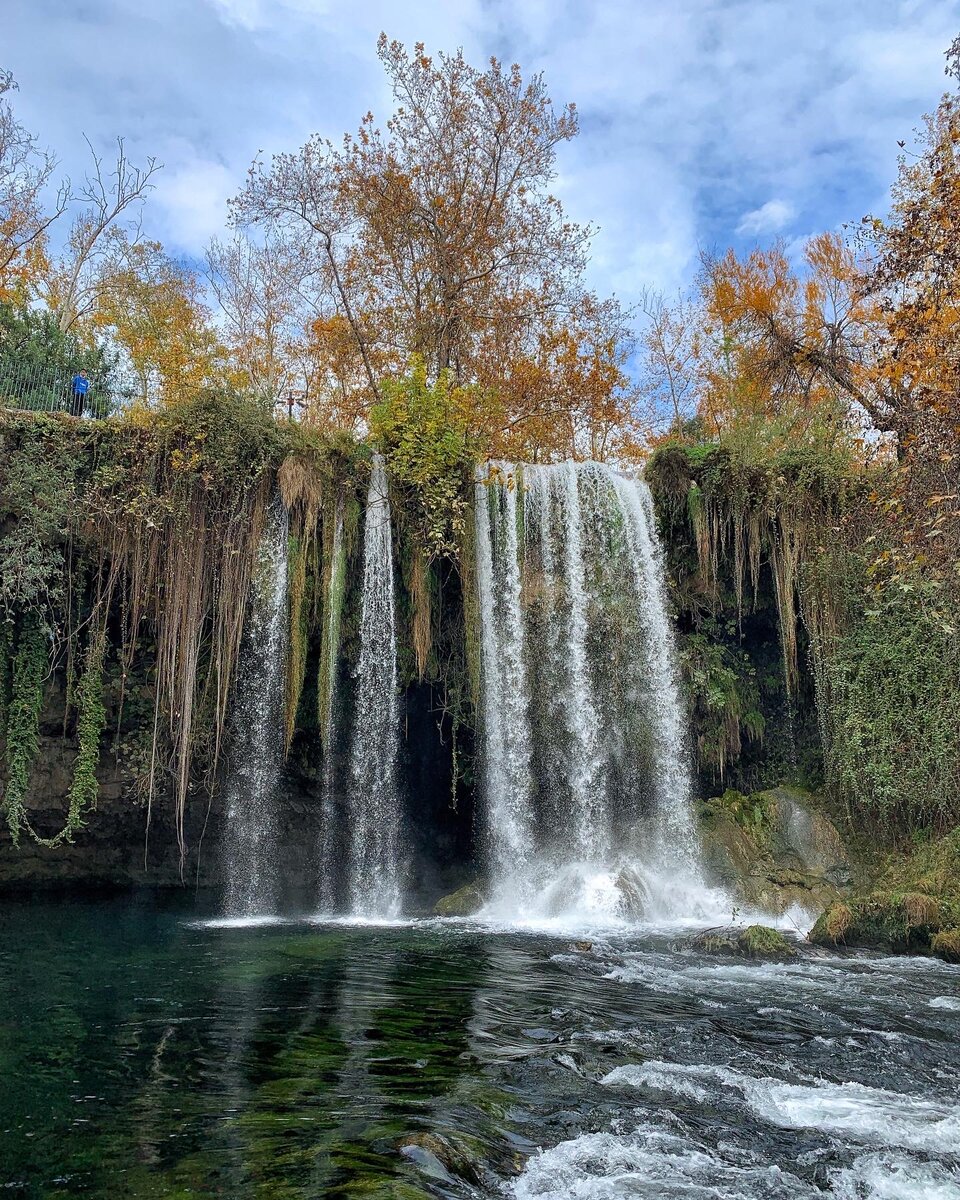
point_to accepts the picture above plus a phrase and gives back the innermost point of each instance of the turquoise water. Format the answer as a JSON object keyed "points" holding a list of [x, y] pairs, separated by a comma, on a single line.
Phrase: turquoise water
{"points": [[145, 1054]]}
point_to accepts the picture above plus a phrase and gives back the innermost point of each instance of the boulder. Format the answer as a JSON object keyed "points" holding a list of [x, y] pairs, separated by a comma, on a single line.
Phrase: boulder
{"points": [[756, 941], [775, 851], [462, 903]]}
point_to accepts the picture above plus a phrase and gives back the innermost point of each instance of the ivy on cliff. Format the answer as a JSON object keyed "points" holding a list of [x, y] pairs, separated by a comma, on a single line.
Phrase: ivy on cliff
{"points": [[28, 674]]}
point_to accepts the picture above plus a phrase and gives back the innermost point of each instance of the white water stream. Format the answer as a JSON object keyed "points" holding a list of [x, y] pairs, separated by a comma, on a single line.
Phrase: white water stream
{"points": [[250, 848], [585, 766], [373, 804]]}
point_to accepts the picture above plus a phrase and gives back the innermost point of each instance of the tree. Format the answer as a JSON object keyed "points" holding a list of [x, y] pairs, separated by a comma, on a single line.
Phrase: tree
{"points": [[670, 351], [37, 362], [153, 308], [438, 237], [568, 395], [267, 303], [780, 347], [914, 283], [25, 171], [100, 233]]}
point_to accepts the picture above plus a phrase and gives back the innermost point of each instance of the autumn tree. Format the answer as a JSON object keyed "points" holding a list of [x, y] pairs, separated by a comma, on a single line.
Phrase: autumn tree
{"points": [[915, 284], [780, 344], [25, 172], [567, 394], [438, 236], [153, 308]]}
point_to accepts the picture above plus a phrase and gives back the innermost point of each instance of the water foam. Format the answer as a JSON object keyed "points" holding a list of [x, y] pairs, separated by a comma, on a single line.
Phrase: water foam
{"points": [[649, 1162], [895, 1177], [852, 1110]]}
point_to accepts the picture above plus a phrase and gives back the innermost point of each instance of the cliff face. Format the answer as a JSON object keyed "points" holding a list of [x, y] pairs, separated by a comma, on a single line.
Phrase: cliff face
{"points": [[125, 564]]}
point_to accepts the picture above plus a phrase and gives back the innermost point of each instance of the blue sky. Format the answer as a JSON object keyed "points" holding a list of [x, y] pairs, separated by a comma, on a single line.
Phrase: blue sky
{"points": [[704, 123]]}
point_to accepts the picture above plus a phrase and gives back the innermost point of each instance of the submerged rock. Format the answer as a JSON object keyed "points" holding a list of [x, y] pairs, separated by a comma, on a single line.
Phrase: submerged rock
{"points": [[462, 903], [756, 941], [443, 1157]]}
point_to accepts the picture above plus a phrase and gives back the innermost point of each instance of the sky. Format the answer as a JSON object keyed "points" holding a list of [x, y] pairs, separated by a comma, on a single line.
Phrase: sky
{"points": [[704, 123]]}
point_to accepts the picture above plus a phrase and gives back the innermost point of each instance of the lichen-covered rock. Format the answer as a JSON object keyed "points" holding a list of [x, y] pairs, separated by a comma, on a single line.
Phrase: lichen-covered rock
{"points": [[462, 903]]}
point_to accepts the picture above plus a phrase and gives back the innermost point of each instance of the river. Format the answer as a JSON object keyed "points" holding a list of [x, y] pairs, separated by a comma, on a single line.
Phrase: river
{"points": [[146, 1053]]}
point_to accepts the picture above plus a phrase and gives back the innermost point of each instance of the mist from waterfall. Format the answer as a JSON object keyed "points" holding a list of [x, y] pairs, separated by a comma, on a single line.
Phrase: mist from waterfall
{"points": [[257, 750], [586, 776], [373, 836]]}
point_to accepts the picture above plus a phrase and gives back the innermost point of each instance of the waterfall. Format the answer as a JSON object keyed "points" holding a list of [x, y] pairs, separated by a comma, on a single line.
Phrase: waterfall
{"points": [[586, 775], [374, 805], [505, 700], [328, 847], [257, 750]]}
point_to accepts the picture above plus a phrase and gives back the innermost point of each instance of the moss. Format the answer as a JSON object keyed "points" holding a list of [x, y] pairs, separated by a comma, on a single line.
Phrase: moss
{"points": [[946, 945], [832, 926], [756, 941], [760, 941], [462, 903]]}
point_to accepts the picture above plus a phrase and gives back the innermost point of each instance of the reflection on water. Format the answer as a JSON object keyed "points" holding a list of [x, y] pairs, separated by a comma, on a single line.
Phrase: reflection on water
{"points": [[147, 1055]]}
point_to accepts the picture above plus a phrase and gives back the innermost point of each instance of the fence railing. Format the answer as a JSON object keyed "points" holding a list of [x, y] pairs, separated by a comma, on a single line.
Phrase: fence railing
{"points": [[59, 388]]}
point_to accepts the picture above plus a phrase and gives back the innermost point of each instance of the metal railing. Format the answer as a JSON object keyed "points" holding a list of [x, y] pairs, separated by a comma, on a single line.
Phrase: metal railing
{"points": [[40, 387]]}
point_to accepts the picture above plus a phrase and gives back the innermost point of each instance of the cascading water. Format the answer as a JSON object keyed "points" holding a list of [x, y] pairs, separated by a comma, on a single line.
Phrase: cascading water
{"points": [[328, 847], [374, 806], [507, 763], [257, 733], [586, 776]]}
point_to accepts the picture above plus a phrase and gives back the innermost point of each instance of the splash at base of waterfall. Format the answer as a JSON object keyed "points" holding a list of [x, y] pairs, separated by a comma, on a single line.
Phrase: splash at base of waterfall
{"points": [[585, 895]]}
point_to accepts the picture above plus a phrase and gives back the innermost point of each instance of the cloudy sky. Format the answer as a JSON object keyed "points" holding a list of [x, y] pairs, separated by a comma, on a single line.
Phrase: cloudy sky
{"points": [[704, 123]]}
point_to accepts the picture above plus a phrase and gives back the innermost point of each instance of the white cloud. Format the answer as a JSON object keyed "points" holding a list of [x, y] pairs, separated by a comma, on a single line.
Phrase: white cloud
{"points": [[193, 198], [700, 118], [768, 218]]}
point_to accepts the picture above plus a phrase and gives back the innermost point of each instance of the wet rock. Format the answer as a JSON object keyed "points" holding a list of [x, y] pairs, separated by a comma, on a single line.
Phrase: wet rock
{"points": [[634, 893], [462, 903], [756, 941], [581, 947], [775, 851], [831, 926], [946, 945], [804, 837]]}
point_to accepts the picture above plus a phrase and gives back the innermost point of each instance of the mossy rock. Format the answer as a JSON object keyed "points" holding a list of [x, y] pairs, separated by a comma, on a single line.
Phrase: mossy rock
{"points": [[904, 922], [462, 903], [802, 836], [756, 941], [946, 945], [760, 941], [832, 926], [452, 1155]]}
